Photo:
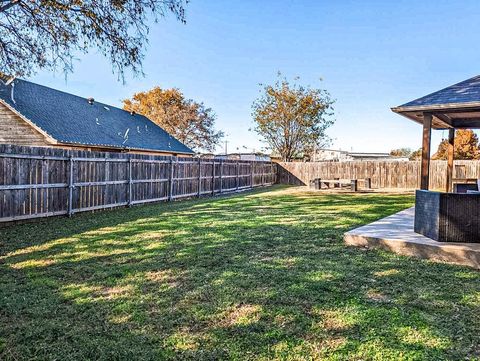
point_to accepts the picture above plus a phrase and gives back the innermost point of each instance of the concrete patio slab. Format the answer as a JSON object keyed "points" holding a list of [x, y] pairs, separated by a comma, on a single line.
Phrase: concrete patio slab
{"points": [[395, 233]]}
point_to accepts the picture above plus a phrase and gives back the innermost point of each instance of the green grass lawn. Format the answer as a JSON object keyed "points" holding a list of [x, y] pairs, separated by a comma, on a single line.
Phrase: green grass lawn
{"points": [[261, 275]]}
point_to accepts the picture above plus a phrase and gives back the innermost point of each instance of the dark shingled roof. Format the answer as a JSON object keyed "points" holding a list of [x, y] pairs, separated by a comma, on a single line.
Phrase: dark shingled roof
{"points": [[467, 91], [71, 119]]}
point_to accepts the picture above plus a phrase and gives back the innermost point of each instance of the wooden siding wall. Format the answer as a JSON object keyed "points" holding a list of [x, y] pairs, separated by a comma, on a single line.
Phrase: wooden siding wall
{"points": [[384, 174], [14, 130], [41, 182]]}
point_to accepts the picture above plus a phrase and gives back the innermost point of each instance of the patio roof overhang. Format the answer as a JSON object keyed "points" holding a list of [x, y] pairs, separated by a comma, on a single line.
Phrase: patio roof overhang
{"points": [[445, 116], [454, 107]]}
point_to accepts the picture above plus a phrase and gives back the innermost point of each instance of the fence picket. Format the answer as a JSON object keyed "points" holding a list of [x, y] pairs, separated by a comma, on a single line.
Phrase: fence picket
{"points": [[70, 187]]}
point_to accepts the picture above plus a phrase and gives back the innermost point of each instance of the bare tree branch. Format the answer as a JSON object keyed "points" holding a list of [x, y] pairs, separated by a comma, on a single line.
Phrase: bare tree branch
{"points": [[9, 5], [41, 34]]}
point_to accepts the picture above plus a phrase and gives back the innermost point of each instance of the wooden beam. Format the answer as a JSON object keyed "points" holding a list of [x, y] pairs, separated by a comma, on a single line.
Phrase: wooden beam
{"points": [[470, 123], [443, 119], [426, 140], [450, 153]]}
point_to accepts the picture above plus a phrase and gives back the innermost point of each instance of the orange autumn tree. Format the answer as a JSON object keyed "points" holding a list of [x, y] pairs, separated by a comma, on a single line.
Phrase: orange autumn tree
{"points": [[466, 146], [190, 122]]}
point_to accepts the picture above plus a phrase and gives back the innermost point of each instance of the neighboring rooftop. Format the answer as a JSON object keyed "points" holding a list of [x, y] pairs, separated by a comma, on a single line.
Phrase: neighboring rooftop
{"points": [[71, 119]]}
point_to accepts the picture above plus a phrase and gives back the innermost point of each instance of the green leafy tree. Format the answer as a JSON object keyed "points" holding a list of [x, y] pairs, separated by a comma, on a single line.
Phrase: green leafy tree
{"points": [[44, 34], [293, 118], [190, 122], [465, 147]]}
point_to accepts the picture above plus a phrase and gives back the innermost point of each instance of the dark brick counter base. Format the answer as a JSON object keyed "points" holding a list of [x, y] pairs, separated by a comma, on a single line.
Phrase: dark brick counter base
{"points": [[448, 217]]}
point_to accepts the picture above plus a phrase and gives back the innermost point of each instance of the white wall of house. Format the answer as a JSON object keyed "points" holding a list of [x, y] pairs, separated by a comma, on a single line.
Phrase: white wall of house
{"points": [[333, 155]]}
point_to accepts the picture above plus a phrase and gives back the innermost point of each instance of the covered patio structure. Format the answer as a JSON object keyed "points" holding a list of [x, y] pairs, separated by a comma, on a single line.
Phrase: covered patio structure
{"points": [[446, 217], [455, 107], [443, 225]]}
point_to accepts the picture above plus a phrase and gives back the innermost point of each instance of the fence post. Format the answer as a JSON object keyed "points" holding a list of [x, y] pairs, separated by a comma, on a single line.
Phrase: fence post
{"points": [[354, 185], [237, 178], [70, 187], [129, 200], [170, 181], [368, 183], [213, 176], [252, 171], [221, 175], [336, 184], [199, 177], [263, 174]]}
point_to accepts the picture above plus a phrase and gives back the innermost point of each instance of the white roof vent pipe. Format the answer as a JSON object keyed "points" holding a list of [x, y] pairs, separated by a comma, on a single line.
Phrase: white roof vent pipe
{"points": [[10, 80]]}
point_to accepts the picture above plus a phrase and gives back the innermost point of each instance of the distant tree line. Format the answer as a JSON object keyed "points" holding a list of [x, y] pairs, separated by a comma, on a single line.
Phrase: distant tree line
{"points": [[407, 153], [466, 147]]}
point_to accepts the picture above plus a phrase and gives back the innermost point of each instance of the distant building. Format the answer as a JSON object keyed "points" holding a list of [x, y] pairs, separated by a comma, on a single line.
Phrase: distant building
{"points": [[333, 155], [374, 156], [206, 155], [245, 156]]}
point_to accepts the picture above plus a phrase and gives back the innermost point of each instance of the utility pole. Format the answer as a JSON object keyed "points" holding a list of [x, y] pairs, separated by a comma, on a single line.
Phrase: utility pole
{"points": [[226, 147]]}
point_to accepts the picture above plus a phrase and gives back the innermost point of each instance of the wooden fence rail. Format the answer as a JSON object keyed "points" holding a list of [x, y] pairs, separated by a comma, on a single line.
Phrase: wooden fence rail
{"points": [[41, 182], [383, 174]]}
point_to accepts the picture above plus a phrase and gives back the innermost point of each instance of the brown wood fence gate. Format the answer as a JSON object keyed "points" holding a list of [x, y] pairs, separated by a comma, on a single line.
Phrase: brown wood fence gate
{"points": [[42, 182]]}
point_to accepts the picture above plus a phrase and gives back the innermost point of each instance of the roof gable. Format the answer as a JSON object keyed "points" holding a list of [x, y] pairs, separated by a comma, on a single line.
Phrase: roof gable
{"points": [[467, 91], [71, 119]]}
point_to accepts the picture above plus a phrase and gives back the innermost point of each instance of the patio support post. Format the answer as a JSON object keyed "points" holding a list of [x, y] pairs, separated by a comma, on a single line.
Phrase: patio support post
{"points": [[451, 144], [427, 135]]}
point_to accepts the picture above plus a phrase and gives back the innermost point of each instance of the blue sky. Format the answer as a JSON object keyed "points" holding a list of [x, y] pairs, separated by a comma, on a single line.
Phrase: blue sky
{"points": [[371, 55]]}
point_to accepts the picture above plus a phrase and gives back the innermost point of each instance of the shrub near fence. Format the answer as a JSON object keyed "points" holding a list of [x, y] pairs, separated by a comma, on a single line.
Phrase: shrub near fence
{"points": [[41, 182], [384, 174]]}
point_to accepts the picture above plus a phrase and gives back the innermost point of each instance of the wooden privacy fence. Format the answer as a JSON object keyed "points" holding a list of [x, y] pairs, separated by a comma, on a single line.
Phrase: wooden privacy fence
{"points": [[42, 182], [383, 174]]}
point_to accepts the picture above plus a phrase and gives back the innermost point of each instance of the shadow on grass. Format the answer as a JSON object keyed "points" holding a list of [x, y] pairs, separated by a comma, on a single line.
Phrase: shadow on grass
{"points": [[262, 275]]}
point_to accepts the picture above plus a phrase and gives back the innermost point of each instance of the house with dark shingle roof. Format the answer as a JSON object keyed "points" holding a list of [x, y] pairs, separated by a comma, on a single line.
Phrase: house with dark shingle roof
{"points": [[35, 115]]}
